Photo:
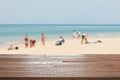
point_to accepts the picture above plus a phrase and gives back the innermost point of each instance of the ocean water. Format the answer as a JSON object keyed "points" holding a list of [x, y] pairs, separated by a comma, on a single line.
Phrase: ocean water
{"points": [[15, 33]]}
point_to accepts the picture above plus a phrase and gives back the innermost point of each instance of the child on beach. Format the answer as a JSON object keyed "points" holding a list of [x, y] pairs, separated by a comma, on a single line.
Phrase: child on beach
{"points": [[43, 39]]}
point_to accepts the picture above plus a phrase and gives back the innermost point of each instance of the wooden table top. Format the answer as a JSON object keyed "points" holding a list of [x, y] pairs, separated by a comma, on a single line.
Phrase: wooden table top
{"points": [[85, 65]]}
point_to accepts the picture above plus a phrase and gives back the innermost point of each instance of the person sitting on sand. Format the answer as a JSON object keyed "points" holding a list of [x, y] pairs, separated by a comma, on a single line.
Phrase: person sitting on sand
{"points": [[43, 39], [60, 41], [26, 41], [11, 47], [84, 38]]}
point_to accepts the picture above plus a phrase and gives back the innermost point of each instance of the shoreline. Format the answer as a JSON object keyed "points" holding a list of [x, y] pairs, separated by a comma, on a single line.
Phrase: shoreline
{"points": [[70, 47]]}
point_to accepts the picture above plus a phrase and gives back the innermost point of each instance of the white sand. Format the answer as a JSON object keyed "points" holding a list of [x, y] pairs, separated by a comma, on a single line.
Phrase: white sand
{"points": [[70, 47]]}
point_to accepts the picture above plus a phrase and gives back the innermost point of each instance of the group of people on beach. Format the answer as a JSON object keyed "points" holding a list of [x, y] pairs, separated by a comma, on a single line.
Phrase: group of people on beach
{"points": [[28, 42], [32, 41], [77, 34]]}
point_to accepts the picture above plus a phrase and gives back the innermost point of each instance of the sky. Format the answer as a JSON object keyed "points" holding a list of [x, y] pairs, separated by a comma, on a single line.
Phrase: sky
{"points": [[59, 11]]}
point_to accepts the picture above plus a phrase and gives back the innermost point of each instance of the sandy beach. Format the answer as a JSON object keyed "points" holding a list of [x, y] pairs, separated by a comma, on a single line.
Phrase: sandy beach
{"points": [[70, 47]]}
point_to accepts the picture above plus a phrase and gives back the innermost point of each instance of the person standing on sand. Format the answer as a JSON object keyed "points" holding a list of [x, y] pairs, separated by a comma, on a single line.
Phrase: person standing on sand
{"points": [[26, 41], [74, 34], [79, 33], [43, 39]]}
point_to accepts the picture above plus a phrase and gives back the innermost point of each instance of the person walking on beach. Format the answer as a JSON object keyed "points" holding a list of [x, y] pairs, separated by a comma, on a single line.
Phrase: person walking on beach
{"points": [[26, 41], [43, 39]]}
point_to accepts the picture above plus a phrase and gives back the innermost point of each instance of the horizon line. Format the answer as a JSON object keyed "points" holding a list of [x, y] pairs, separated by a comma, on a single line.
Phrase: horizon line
{"points": [[62, 24]]}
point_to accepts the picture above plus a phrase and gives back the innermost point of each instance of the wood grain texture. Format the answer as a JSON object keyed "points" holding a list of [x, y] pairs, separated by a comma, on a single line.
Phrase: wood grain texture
{"points": [[57, 67]]}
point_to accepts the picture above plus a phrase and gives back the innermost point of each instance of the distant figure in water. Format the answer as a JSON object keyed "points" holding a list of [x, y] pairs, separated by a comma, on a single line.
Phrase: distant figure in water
{"points": [[26, 41], [43, 39], [84, 38], [60, 41]]}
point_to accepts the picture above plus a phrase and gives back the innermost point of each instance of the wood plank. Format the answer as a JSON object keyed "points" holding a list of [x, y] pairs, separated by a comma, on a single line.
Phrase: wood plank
{"points": [[87, 67]]}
